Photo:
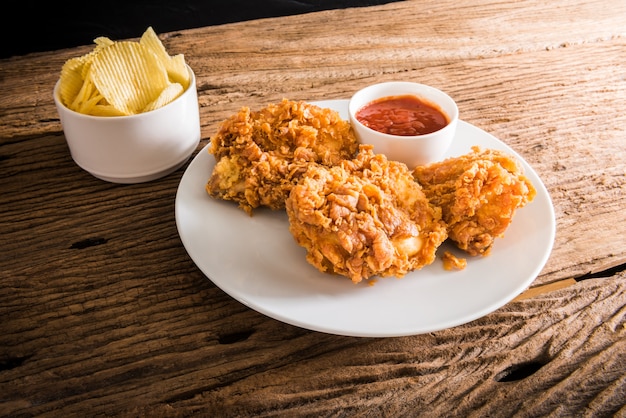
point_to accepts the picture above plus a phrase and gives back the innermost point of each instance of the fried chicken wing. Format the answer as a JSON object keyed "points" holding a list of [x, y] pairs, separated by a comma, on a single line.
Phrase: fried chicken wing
{"points": [[261, 155], [478, 193], [363, 217]]}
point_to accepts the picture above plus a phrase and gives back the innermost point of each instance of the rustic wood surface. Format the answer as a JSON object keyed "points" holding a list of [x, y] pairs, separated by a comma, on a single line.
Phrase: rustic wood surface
{"points": [[104, 313]]}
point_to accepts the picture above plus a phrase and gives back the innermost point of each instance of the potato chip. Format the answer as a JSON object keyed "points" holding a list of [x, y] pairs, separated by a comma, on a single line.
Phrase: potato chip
{"points": [[128, 76], [176, 67], [123, 78], [71, 80], [103, 41], [86, 98], [105, 110], [167, 95]]}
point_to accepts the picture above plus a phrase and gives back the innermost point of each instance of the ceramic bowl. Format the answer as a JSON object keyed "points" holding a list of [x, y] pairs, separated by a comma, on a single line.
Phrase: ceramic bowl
{"points": [[412, 150], [136, 148]]}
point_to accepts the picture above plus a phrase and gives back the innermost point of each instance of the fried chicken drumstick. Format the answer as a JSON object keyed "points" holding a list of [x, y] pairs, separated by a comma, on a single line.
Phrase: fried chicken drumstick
{"points": [[363, 217], [478, 193], [261, 155]]}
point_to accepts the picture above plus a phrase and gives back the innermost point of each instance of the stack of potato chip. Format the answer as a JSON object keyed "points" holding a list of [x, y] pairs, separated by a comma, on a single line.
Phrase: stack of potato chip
{"points": [[123, 78]]}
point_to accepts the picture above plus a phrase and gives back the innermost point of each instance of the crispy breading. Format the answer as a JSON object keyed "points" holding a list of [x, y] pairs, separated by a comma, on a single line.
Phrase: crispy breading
{"points": [[452, 262], [478, 193], [260, 155], [364, 217]]}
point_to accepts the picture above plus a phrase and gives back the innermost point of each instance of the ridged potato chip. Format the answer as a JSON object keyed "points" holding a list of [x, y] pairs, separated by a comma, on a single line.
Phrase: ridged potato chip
{"points": [[128, 76], [167, 95], [123, 77], [71, 80], [175, 66]]}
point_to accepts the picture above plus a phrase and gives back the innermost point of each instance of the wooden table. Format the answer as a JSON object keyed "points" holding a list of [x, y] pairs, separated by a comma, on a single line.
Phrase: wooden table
{"points": [[103, 312]]}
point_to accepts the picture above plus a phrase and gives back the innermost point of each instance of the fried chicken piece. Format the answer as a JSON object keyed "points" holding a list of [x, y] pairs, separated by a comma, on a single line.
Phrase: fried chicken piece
{"points": [[363, 217], [478, 193], [261, 155]]}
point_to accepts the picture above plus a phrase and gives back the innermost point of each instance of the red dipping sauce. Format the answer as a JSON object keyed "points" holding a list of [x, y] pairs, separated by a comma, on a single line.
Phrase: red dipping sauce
{"points": [[402, 116]]}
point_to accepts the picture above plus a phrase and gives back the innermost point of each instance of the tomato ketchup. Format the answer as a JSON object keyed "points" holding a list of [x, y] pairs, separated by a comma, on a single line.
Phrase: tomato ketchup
{"points": [[406, 115]]}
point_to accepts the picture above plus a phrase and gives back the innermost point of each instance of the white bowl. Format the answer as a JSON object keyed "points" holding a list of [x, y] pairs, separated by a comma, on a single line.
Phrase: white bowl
{"points": [[136, 148], [411, 150]]}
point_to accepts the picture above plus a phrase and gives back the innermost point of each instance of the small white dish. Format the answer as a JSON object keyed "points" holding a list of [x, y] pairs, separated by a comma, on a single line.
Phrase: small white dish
{"points": [[136, 148], [412, 150], [256, 260]]}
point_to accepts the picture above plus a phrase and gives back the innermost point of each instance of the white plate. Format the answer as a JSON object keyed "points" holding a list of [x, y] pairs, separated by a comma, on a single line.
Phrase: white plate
{"points": [[255, 260]]}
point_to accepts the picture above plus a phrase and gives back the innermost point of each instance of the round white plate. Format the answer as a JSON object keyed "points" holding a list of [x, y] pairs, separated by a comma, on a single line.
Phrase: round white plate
{"points": [[256, 260]]}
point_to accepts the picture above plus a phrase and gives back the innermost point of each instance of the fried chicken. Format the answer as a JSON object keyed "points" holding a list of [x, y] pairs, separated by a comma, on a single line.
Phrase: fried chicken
{"points": [[363, 217], [478, 193], [261, 155]]}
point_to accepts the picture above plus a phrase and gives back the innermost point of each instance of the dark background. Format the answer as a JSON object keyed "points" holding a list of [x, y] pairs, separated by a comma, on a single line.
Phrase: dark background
{"points": [[30, 26]]}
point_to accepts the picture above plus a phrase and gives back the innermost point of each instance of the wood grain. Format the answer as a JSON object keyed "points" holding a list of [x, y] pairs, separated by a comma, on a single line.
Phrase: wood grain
{"points": [[104, 312]]}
